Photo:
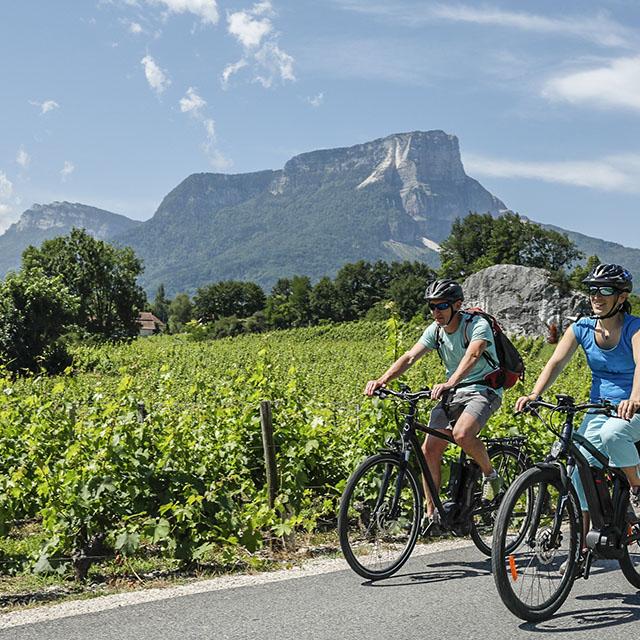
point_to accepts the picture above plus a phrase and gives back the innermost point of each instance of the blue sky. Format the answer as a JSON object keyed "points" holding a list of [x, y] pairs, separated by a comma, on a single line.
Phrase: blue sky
{"points": [[113, 102]]}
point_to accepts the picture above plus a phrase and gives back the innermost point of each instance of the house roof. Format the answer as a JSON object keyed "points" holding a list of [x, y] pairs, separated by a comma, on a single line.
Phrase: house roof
{"points": [[148, 321]]}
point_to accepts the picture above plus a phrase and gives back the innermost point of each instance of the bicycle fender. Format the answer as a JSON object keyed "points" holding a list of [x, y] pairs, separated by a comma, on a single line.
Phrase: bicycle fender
{"points": [[564, 476]]}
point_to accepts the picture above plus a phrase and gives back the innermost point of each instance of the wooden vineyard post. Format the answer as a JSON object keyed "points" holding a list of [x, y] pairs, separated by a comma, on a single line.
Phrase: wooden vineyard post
{"points": [[269, 451]]}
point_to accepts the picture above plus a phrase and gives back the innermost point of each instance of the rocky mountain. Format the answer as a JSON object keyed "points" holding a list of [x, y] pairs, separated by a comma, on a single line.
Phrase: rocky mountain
{"points": [[392, 198], [524, 299], [42, 222]]}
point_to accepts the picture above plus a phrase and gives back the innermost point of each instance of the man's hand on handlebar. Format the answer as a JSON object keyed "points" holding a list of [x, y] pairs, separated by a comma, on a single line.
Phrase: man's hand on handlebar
{"points": [[439, 390]]}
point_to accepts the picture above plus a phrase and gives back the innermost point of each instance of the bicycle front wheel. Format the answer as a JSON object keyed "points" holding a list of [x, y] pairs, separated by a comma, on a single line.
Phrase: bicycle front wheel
{"points": [[379, 517], [509, 463], [630, 561], [535, 578]]}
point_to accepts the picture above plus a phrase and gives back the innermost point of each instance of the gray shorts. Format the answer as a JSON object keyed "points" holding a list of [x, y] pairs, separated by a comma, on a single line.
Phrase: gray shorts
{"points": [[479, 404]]}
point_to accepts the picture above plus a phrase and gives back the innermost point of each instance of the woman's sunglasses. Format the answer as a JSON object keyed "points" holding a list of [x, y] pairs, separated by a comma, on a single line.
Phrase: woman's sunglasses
{"points": [[440, 306], [603, 291]]}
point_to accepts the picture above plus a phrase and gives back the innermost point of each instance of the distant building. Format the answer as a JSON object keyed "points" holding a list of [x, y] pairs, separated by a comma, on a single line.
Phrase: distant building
{"points": [[149, 324]]}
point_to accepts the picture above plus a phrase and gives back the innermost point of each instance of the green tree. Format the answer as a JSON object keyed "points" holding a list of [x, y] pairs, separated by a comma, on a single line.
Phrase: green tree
{"points": [[35, 311], [359, 285], [228, 298], [581, 272], [324, 301], [480, 240], [103, 278], [278, 312], [180, 312], [160, 306]]}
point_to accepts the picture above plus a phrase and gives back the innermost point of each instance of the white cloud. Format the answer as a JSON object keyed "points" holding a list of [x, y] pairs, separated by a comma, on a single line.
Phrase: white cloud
{"points": [[620, 173], [599, 28], [156, 77], [614, 85], [6, 186], [46, 106], [206, 10], [192, 102], [230, 69], [23, 158], [317, 100], [253, 29], [135, 27], [247, 27], [67, 170]]}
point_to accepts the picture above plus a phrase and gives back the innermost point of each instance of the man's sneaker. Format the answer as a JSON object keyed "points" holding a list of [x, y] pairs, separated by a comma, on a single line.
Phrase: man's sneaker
{"points": [[431, 525], [491, 486], [634, 505]]}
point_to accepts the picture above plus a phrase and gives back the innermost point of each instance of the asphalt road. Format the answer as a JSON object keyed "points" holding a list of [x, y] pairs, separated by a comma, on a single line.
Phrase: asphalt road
{"points": [[449, 594]]}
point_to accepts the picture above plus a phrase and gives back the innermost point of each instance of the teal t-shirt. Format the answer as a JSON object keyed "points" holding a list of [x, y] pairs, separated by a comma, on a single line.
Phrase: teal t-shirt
{"points": [[452, 348]]}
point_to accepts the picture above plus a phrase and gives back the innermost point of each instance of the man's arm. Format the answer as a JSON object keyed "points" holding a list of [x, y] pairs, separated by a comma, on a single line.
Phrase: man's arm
{"points": [[403, 363]]}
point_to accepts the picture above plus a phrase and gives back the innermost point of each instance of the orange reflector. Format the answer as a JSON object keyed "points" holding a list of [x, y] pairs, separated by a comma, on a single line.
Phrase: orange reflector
{"points": [[512, 567]]}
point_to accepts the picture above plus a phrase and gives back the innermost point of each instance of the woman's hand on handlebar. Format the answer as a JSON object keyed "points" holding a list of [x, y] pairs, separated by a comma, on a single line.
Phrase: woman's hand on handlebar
{"points": [[628, 408], [523, 401], [371, 387]]}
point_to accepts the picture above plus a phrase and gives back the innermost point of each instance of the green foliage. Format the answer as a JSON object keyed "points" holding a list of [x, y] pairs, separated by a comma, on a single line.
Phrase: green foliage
{"points": [[157, 443], [34, 313], [180, 312], [228, 298], [160, 305], [480, 240], [102, 277]]}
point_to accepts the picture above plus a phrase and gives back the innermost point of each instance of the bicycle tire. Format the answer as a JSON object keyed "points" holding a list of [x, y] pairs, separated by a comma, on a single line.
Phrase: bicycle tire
{"points": [[374, 544], [535, 563], [509, 462], [630, 562]]}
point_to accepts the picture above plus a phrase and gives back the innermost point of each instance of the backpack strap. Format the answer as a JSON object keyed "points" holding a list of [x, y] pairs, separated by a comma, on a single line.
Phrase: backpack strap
{"points": [[486, 356]]}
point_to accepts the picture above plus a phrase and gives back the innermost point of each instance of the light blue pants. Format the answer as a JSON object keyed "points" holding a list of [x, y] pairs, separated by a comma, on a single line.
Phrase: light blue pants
{"points": [[615, 438]]}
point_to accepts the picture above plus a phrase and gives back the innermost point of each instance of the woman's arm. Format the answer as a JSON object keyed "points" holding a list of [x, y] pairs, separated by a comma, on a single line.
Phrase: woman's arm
{"points": [[628, 408], [556, 363]]}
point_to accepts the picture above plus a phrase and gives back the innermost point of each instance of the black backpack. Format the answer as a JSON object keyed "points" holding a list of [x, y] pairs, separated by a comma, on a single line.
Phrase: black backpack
{"points": [[510, 366]]}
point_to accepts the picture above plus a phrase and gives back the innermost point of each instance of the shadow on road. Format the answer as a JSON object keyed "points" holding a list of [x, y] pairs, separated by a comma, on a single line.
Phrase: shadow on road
{"points": [[435, 572], [601, 617]]}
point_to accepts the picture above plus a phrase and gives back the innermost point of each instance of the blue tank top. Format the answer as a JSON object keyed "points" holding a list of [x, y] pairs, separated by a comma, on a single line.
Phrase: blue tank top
{"points": [[611, 369]]}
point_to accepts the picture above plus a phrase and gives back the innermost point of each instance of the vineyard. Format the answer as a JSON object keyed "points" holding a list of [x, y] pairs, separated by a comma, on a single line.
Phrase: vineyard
{"points": [[155, 447]]}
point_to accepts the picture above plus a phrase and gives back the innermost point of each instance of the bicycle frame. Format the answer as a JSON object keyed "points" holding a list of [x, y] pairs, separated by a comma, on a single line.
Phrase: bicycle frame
{"points": [[409, 440], [607, 530]]}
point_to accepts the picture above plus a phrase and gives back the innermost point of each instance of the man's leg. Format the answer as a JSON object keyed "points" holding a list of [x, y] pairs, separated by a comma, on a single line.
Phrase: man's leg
{"points": [[432, 449], [465, 433]]}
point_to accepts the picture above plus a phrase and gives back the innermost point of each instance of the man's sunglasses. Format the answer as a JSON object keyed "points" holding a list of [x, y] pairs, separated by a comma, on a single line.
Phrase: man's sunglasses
{"points": [[603, 291], [440, 306]]}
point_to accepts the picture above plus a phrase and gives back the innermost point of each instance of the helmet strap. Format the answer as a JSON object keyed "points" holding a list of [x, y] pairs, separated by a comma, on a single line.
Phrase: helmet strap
{"points": [[454, 313], [618, 307]]}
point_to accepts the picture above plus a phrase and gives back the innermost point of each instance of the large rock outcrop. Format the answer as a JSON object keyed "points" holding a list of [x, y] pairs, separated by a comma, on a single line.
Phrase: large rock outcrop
{"points": [[523, 299]]}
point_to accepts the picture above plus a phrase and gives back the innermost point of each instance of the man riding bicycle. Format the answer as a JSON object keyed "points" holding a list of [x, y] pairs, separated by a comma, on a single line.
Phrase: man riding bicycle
{"points": [[466, 402]]}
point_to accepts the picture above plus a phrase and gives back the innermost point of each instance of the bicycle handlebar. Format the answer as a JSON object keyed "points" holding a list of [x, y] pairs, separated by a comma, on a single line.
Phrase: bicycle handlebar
{"points": [[405, 394], [565, 405]]}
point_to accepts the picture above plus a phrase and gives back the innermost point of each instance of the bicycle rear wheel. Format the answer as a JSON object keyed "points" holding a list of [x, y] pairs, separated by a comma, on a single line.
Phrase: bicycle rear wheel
{"points": [[535, 578], [630, 561], [379, 517], [509, 462]]}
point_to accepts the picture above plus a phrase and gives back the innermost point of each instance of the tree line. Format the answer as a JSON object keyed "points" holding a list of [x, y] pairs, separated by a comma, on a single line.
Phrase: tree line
{"points": [[76, 287]]}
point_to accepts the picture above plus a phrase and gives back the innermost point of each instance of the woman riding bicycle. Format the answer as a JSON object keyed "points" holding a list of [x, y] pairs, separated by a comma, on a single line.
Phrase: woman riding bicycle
{"points": [[610, 338]]}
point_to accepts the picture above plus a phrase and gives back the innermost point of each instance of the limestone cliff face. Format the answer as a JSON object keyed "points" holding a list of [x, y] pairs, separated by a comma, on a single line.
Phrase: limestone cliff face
{"points": [[44, 221], [523, 299], [422, 169]]}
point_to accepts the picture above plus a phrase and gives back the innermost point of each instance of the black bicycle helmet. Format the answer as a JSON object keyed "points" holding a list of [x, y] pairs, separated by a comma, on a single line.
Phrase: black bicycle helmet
{"points": [[444, 289], [610, 275]]}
